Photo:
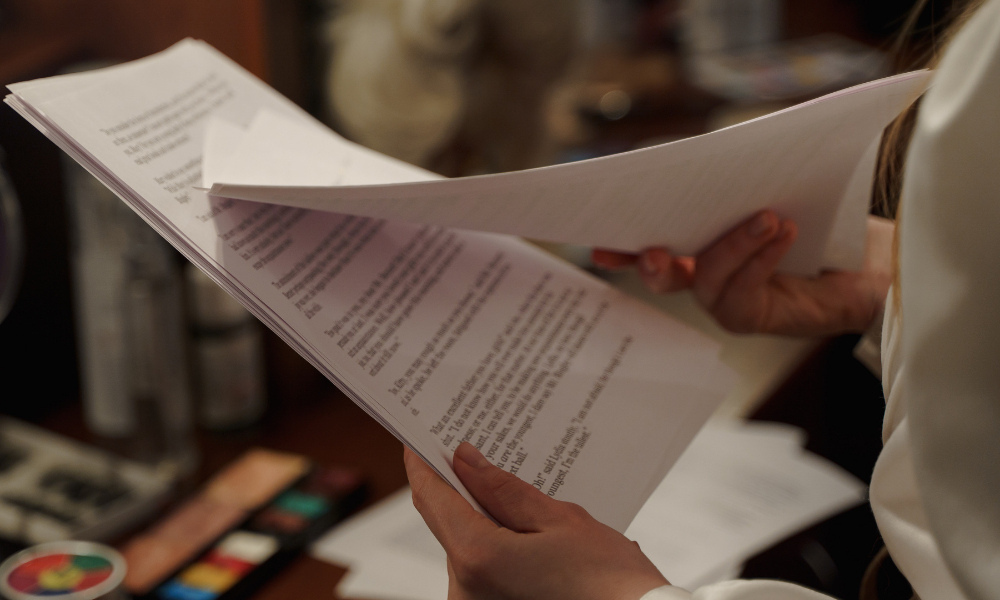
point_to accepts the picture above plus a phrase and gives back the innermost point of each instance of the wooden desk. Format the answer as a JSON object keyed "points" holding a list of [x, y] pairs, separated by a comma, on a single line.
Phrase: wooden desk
{"points": [[328, 428]]}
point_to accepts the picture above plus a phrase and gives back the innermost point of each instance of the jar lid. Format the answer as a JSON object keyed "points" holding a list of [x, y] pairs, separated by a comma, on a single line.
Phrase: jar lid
{"points": [[62, 571]]}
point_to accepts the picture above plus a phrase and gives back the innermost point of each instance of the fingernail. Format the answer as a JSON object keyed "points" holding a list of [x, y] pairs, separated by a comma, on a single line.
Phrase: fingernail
{"points": [[468, 454], [761, 225]]}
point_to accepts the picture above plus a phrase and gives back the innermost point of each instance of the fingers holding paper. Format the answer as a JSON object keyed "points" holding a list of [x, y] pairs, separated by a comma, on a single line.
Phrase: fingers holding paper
{"points": [[542, 548], [736, 280]]}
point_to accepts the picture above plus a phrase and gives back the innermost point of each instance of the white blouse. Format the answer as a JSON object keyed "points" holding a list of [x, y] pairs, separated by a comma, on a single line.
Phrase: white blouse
{"points": [[936, 487]]}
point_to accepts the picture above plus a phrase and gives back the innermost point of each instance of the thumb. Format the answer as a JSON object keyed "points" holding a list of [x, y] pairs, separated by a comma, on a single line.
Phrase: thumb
{"points": [[514, 503]]}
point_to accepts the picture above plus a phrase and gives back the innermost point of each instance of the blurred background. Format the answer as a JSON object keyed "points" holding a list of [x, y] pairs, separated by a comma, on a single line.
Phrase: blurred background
{"points": [[460, 87]]}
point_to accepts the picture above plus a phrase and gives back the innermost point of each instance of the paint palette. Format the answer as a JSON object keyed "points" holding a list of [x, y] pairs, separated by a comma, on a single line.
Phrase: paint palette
{"points": [[231, 560], [239, 562], [244, 525], [71, 570]]}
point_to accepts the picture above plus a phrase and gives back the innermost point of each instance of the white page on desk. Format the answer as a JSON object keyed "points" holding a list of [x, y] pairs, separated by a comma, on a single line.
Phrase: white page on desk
{"points": [[389, 551], [684, 194], [438, 334], [731, 496], [395, 576]]}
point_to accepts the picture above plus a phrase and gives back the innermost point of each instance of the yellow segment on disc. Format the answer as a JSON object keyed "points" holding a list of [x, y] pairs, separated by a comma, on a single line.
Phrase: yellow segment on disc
{"points": [[61, 578]]}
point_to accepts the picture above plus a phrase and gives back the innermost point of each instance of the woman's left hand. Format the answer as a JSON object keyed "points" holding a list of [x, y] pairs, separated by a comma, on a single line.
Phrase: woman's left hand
{"points": [[542, 548]]}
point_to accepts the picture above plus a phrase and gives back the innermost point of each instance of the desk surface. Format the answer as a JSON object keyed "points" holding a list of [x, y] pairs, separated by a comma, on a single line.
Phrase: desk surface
{"points": [[329, 429]]}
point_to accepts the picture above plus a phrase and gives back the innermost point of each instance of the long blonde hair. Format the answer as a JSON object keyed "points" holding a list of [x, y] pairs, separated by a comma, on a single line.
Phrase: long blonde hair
{"points": [[888, 183]]}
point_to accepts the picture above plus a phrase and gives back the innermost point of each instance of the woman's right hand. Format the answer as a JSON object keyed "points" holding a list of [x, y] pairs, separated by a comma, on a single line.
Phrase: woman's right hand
{"points": [[736, 281]]}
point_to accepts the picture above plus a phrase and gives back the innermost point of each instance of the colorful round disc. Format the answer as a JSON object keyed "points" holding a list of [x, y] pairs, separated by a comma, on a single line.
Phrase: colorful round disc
{"points": [[72, 570]]}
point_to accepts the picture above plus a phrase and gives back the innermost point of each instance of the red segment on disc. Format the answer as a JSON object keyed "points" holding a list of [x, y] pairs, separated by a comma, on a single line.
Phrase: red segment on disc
{"points": [[21, 582], [43, 563]]}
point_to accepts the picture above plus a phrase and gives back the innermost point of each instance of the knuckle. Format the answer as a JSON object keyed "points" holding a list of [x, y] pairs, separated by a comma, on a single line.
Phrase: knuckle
{"points": [[473, 566], [506, 489], [419, 502], [575, 513]]}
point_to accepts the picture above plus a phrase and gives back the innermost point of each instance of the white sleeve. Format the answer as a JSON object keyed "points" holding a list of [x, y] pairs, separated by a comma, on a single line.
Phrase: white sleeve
{"points": [[667, 592], [739, 589], [950, 288]]}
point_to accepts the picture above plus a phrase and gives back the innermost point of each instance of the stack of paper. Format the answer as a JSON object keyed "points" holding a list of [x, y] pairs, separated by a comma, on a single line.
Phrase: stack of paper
{"points": [[736, 490], [441, 335]]}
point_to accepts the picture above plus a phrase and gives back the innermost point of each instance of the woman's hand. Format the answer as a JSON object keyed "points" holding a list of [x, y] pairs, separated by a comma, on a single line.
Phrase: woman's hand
{"points": [[542, 548], [735, 280]]}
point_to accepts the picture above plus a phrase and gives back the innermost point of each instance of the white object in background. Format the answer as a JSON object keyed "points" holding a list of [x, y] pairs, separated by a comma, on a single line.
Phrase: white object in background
{"points": [[159, 385], [788, 70], [54, 488], [228, 353], [100, 230], [129, 327], [719, 25]]}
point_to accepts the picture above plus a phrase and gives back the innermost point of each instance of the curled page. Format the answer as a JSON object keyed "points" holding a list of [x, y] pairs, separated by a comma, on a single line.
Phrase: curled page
{"points": [[812, 163]]}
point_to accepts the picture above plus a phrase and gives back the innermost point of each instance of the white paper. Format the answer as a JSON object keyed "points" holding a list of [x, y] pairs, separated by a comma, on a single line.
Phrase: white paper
{"points": [[439, 335], [224, 139], [389, 551], [275, 148], [811, 163], [738, 489], [732, 495]]}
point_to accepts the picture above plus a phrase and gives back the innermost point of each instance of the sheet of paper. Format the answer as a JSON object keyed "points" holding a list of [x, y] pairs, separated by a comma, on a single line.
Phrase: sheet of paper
{"points": [[277, 149], [811, 163], [441, 335], [731, 496], [739, 488], [389, 551]]}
